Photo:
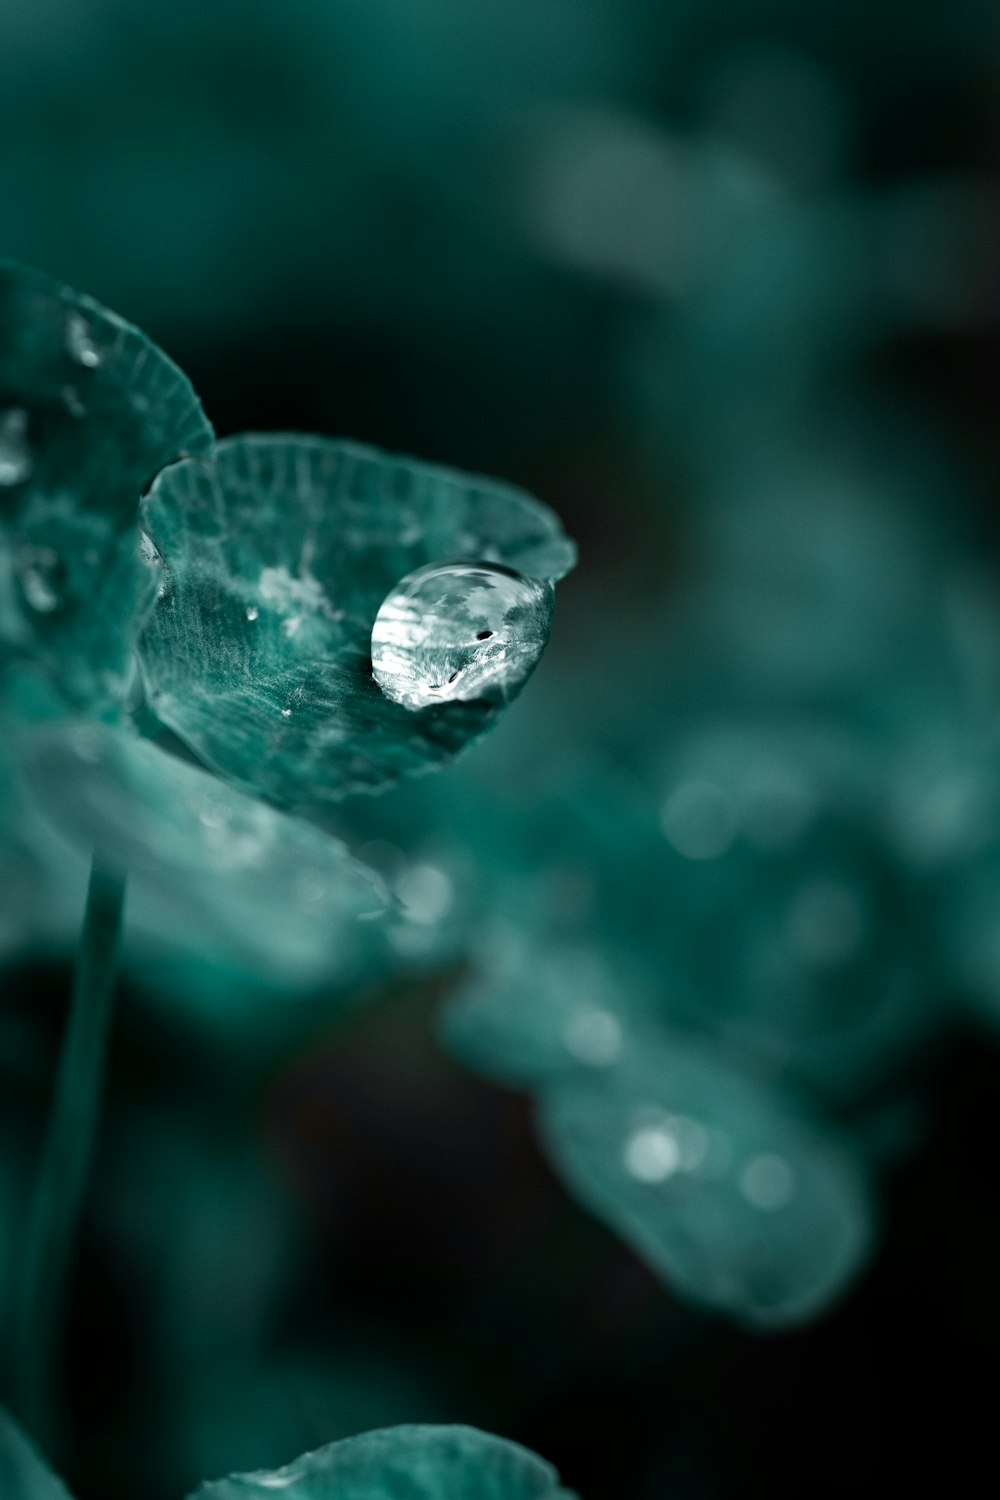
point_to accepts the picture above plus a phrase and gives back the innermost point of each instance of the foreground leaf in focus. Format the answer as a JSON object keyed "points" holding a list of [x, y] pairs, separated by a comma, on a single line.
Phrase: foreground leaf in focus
{"points": [[273, 558], [738, 1200], [404, 1463], [90, 411]]}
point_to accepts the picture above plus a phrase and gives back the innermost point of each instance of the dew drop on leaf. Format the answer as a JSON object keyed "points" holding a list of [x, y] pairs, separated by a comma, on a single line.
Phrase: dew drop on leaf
{"points": [[73, 402], [39, 571], [79, 342], [15, 454], [459, 632]]}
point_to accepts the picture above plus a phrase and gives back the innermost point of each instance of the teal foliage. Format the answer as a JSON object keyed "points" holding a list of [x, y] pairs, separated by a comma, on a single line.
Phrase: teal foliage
{"points": [[90, 411], [427, 1463], [740, 1200], [530, 1093], [24, 1475], [272, 562]]}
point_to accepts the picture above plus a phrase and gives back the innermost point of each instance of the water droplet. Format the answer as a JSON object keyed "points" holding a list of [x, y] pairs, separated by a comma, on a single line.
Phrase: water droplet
{"points": [[458, 632], [652, 1154], [253, 613], [594, 1037], [148, 549], [425, 892], [699, 820], [73, 402], [38, 569], [79, 342], [767, 1182], [213, 817], [15, 454]]}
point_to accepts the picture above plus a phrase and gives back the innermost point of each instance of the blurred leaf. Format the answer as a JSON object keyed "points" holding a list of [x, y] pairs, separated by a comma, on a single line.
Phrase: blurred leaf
{"points": [[23, 1473], [404, 1463], [276, 555], [218, 873], [90, 411], [737, 1199], [743, 893]]}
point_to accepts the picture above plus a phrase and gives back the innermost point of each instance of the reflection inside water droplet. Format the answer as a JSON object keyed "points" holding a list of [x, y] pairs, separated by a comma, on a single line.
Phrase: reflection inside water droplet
{"points": [[458, 632], [15, 454], [79, 342]]}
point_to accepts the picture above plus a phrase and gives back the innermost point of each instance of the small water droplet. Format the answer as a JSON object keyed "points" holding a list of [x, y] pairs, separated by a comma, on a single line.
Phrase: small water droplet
{"points": [[73, 402], [699, 820], [148, 549], [253, 613], [15, 454], [39, 569], [79, 342], [426, 893], [594, 1037], [213, 817], [652, 1154], [459, 632], [767, 1182]]}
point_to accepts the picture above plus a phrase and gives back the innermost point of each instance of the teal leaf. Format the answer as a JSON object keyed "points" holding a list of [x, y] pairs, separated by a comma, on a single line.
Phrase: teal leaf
{"points": [[733, 1195], [273, 559], [24, 1475], [90, 411], [222, 874], [404, 1463]]}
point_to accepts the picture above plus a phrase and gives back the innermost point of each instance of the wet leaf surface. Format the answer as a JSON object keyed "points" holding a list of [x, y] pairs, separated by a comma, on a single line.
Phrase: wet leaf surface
{"points": [[273, 559]]}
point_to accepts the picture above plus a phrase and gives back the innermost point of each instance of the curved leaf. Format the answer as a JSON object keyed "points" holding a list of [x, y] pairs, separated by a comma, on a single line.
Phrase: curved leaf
{"points": [[736, 1199], [217, 872], [90, 411], [276, 555], [404, 1463], [24, 1475]]}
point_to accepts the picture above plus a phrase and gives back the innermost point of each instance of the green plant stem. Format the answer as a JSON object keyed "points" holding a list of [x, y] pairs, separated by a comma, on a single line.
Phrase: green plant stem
{"points": [[67, 1153]]}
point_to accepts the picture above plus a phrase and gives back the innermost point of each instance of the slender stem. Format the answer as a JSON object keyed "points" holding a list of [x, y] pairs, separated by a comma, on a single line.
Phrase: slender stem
{"points": [[67, 1152]]}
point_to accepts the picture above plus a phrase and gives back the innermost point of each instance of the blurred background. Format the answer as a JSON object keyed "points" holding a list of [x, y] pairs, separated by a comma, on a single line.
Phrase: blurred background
{"points": [[717, 281]]}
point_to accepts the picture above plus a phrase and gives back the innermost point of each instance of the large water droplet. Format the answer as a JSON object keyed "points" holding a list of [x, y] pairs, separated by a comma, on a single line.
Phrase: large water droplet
{"points": [[79, 342], [15, 454], [459, 631]]}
